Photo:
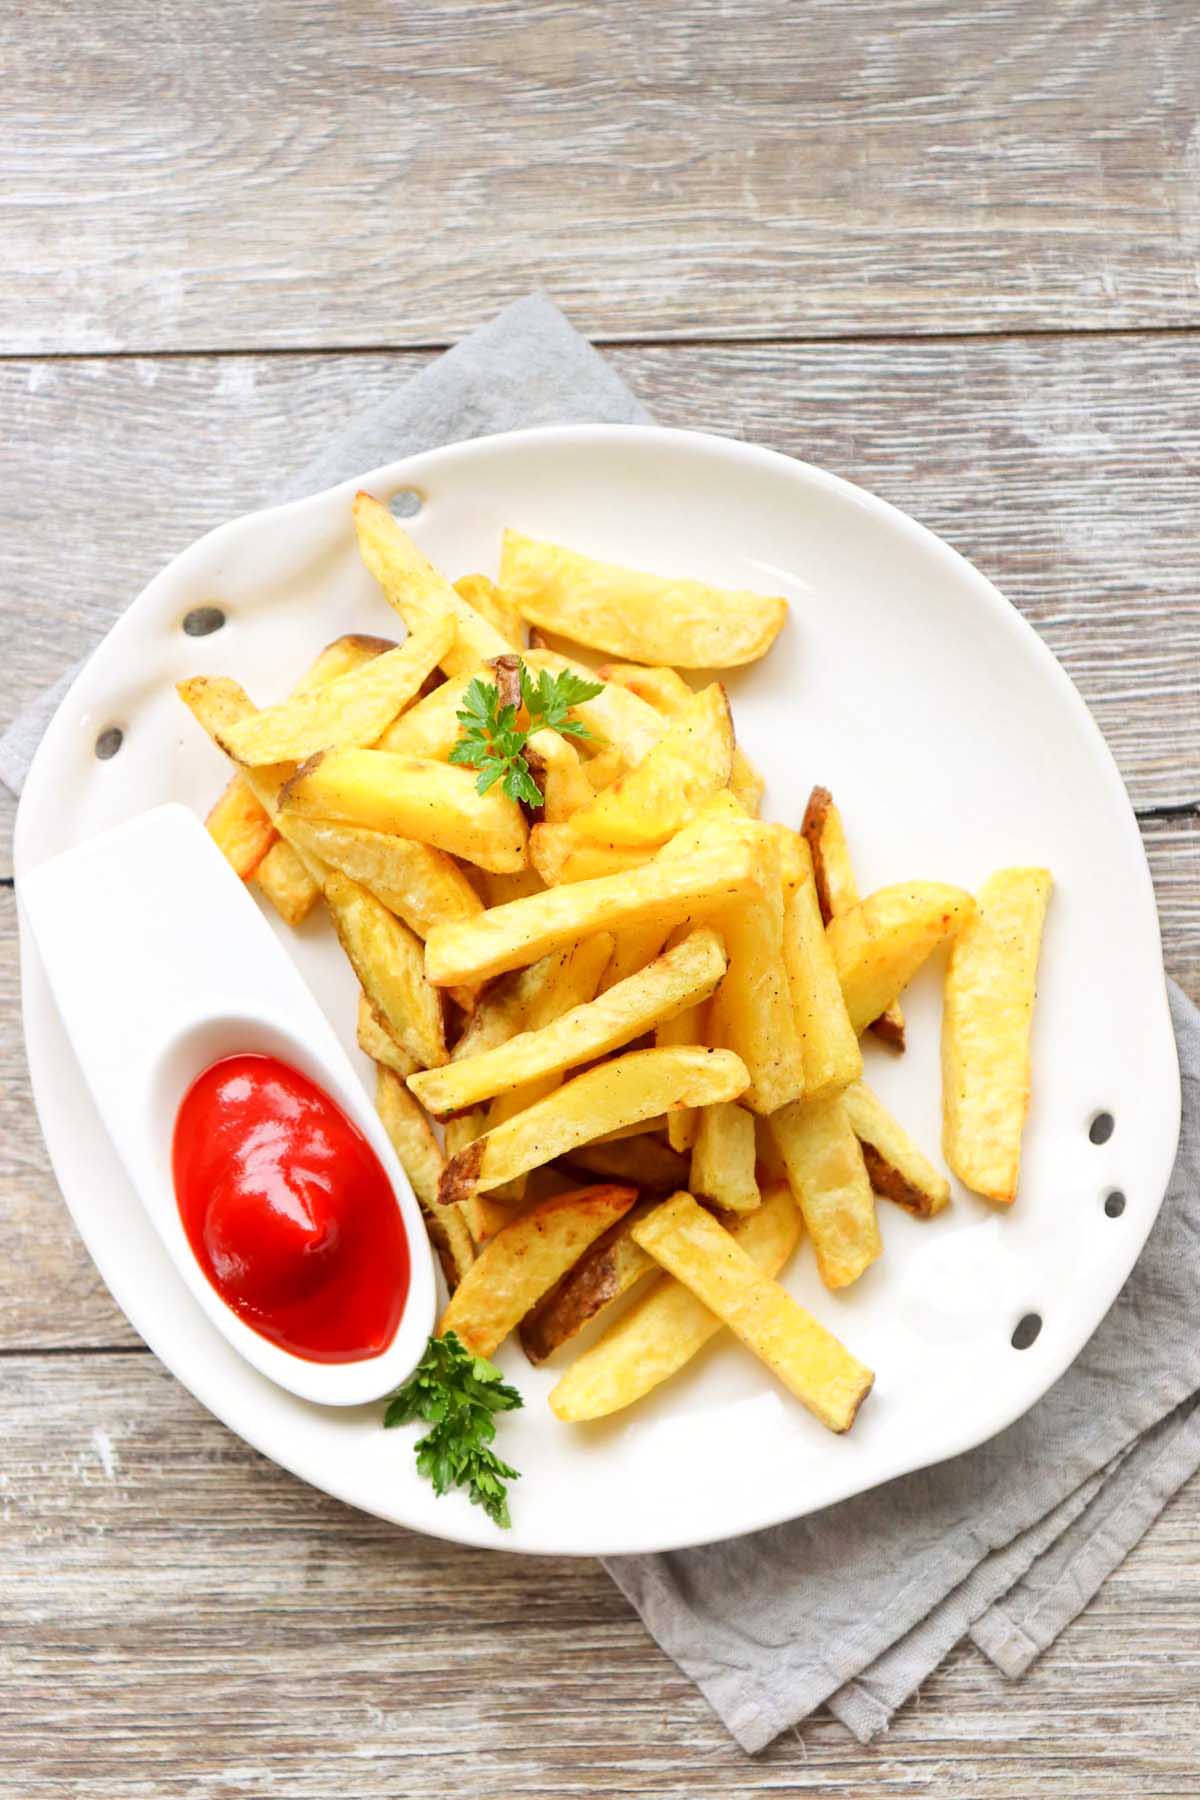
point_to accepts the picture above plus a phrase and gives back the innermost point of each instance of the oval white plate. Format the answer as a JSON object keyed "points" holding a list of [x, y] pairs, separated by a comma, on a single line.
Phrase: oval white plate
{"points": [[953, 743]]}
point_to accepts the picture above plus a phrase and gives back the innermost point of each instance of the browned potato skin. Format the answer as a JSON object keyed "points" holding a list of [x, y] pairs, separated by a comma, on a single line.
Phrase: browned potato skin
{"points": [[889, 1026], [887, 1181], [610, 1268]]}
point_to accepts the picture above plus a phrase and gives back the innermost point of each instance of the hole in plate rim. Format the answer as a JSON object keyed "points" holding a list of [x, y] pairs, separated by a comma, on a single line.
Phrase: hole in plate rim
{"points": [[108, 742], [1026, 1331], [202, 621], [406, 502], [1114, 1203], [1101, 1127]]}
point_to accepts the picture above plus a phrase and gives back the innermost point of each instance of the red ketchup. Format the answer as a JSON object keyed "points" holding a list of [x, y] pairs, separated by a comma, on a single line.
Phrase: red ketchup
{"points": [[289, 1212]]}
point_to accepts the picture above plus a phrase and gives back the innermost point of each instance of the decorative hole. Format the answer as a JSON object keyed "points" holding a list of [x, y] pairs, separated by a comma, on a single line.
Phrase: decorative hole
{"points": [[109, 742], [1101, 1128], [1026, 1331], [202, 621], [406, 504], [1114, 1204]]}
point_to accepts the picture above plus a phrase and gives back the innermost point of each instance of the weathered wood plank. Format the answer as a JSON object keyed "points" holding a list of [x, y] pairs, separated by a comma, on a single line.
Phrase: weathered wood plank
{"points": [[181, 1617], [1061, 466], [283, 174]]}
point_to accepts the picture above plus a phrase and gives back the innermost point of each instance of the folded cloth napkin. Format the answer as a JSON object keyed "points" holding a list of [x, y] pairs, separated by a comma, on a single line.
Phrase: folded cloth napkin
{"points": [[854, 1606]]}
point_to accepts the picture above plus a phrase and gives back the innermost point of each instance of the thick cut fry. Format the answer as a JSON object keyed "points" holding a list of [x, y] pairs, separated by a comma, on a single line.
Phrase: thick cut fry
{"points": [[723, 1158], [483, 594], [603, 768], [429, 728], [522, 1262], [829, 1046], [435, 803], [895, 1166], [609, 1268], [664, 988], [386, 957], [558, 771], [421, 885], [286, 883], [687, 1026], [752, 1012], [828, 1178], [416, 590], [615, 717], [377, 1040], [690, 763], [991, 985], [646, 618], [667, 692], [879, 945], [624, 1091], [665, 892], [633, 949], [809, 1360], [353, 710], [837, 889], [483, 1213], [240, 827], [654, 1167], [421, 1159], [559, 856], [662, 1332]]}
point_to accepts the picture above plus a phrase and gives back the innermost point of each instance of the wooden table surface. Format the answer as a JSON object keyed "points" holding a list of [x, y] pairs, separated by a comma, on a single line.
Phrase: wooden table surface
{"points": [[951, 251]]}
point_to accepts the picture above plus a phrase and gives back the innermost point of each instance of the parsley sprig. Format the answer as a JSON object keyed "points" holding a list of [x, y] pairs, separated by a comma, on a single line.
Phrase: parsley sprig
{"points": [[458, 1395], [493, 743]]}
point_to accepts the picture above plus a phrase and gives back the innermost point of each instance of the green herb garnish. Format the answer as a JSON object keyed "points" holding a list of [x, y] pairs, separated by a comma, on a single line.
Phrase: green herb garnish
{"points": [[492, 741], [459, 1395]]}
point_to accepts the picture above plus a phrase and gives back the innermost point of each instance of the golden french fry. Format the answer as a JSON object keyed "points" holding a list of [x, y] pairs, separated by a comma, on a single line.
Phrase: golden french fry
{"points": [[435, 803], [377, 1040], [652, 1165], [483, 594], [604, 767], [645, 618], [829, 1046], [386, 957], [483, 1214], [522, 1262], [829, 1181], [559, 773], [417, 591], [808, 1359], [691, 762], [421, 885], [723, 1158], [687, 1026], [752, 1012], [879, 945], [895, 1166], [633, 948], [615, 717], [430, 727], [421, 1159], [837, 889], [991, 985], [662, 1332], [588, 1030], [664, 892], [558, 855], [238, 824], [633, 1087], [286, 883], [350, 711], [609, 1268], [667, 692]]}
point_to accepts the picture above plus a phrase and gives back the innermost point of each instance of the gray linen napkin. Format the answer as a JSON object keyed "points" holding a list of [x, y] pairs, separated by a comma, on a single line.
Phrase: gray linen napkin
{"points": [[856, 1605]]}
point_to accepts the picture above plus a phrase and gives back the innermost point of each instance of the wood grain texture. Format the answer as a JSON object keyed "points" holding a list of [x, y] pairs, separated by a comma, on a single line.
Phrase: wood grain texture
{"points": [[1065, 468], [228, 176]]}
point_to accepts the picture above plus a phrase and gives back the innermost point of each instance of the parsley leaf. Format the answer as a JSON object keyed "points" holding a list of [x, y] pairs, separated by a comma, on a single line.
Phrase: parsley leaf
{"points": [[458, 1395], [492, 742]]}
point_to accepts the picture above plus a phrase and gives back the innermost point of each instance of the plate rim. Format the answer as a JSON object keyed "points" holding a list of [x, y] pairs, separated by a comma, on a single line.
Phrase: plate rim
{"points": [[408, 471]]}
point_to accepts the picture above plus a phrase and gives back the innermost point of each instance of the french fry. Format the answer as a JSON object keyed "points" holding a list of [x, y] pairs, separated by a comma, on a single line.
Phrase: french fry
{"points": [[837, 889], [879, 945], [723, 1158], [377, 1040], [664, 892], [896, 1168], [421, 1159], [386, 957], [829, 1182], [667, 692], [615, 717], [689, 1025], [498, 890], [636, 1086], [610, 1267], [807, 1358], [652, 1165], [559, 856], [752, 1012], [435, 803], [238, 824], [633, 948], [286, 883], [660, 991], [558, 770], [483, 594], [603, 768], [483, 1214], [664, 1330], [644, 618], [691, 762], [991, 985], [414, 587], [430, 727], [522, 1262], [421, 885], [829, 1046], [351, 711]]}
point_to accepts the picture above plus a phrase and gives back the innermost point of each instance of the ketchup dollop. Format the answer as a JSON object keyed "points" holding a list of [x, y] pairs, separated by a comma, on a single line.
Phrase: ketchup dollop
{"points": [[289, 1212]]}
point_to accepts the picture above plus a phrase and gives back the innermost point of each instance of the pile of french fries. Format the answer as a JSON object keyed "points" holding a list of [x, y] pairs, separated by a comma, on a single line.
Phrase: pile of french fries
{"points": [[617, 1036]]}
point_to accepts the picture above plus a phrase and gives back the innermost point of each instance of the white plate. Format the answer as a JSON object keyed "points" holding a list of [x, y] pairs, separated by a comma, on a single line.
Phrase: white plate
{"points": [[954, 744]]}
